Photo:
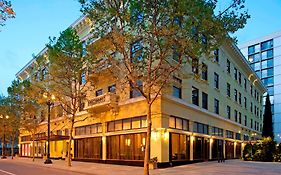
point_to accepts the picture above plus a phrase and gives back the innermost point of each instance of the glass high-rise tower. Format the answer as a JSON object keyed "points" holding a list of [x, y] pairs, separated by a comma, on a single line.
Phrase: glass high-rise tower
{"points": [[264, 56]]}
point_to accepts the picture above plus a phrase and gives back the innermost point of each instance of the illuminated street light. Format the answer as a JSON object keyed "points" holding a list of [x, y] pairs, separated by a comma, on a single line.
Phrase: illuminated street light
{"points": [[50, 98]]}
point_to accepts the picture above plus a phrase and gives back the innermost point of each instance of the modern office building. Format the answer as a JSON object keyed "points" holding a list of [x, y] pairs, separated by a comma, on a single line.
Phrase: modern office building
{"points": [[195, 120], [264, 56]]}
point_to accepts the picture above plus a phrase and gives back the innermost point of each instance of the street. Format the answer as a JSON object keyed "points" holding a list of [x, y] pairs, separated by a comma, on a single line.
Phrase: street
{"points": [[8, 167], [25, 166]]}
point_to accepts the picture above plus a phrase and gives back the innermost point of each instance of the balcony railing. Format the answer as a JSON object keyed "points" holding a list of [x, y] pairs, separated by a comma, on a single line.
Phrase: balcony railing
{"points": [[102, 103]]}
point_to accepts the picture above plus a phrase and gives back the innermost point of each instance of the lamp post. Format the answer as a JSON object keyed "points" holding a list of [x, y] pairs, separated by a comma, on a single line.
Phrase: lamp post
{"points": [[4, 139], [50, 98]]}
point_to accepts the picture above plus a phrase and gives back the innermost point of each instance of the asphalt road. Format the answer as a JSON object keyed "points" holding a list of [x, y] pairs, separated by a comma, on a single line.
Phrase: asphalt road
{"points": [[15, 168]]}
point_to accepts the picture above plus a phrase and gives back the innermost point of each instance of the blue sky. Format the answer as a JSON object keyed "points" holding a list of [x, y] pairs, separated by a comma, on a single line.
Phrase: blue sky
{"points": [[36, 20]]}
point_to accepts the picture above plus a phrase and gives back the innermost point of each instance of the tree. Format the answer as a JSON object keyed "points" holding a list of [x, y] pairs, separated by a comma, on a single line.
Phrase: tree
{"points": [[25, 108], [267, 119], [66, 75], [8, 109], [6, 11], [148, 43]]}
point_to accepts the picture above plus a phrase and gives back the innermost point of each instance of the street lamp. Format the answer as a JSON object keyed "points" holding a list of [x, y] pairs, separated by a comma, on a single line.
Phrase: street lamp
{"points": [[50, 98], [3, 142]]}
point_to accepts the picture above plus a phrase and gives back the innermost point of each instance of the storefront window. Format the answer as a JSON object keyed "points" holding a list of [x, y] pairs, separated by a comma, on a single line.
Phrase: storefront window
{"points": [[126, 147], [88, 148], [180, 147], [201, 148]]}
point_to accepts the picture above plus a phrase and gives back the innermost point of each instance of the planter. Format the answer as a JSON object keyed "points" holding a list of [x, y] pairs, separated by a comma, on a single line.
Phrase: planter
{"points": [[152, 165]]}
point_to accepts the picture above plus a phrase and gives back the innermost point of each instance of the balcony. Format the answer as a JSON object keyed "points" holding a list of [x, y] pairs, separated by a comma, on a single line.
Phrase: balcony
{"points": [[102, 103]]}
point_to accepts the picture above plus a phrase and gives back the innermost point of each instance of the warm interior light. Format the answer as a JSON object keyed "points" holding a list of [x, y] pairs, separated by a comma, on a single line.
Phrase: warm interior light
{"points": [[7, 116], [166, 135], [53, 97], [45, 95]]}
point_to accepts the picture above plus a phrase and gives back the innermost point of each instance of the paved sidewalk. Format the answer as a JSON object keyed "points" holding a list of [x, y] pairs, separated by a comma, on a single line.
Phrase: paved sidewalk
{"points": [[230, 167]]}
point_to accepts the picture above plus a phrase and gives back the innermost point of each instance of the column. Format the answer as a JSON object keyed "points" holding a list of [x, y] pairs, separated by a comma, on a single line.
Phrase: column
{"points": [[191, 139], [210, 149], [235, 144], [103, 147]]}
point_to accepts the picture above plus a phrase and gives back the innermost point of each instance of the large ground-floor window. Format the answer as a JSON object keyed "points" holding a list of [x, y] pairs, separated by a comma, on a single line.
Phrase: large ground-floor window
{"points": [[217, 149], [179, 147], [201, 147], [25, 149], [126, 147], [39, 148], [88, 148], [238, 150], [229, 149]]}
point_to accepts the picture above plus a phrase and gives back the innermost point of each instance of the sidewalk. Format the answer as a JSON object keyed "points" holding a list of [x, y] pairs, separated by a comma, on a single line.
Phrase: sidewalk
{"points": [[230, 167], [82, 167]]}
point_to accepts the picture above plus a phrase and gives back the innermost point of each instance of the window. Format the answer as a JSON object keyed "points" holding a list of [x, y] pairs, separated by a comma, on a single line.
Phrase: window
{"points": [[216, 80], [204, 72], [177, 92], [178, 123], [216, 106], [267, 64], [195, 64], [229, 134], [195, 96], [125, 146], [251, 90], [245, 102], [176, 54], [134, 92], [235, 73], [240, 101], [126, 124], [217, 131], [268, 81], [266, 45], [235, 95], [251, 123], [251, 107], [88, 148], [228, 89], [200, 128], [88, 129], [240, 117], [228, 111], [245, 83], [228, 66], [216, 54], [83, 78], [137, 51], [180, 146], [235, 115], [267, 72], [239, 77], [253, 49], [238, 136], [112, 88], [99, 92], [204, 100]]}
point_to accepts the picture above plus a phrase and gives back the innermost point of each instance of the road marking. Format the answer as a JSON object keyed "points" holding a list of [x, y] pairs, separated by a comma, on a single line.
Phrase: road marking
{"points": [[7, 172]]}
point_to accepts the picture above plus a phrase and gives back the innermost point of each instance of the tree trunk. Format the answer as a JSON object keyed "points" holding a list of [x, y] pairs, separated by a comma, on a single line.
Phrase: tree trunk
{"points": [[69, 149], [33, 150], [147, 143], [12, 147]]}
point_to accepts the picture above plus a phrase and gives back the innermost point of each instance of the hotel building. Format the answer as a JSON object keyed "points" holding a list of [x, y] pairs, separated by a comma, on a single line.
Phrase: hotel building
{"points": [[197, 120], [264, 56]]}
